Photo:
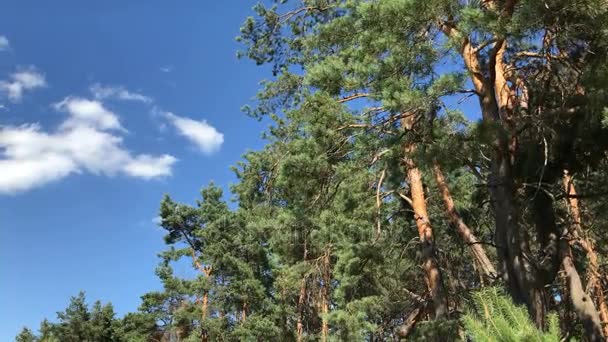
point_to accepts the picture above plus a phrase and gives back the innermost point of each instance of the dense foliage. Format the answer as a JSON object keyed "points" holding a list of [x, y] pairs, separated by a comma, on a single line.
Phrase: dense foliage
{"points": [[497, 319], [386, 196]]}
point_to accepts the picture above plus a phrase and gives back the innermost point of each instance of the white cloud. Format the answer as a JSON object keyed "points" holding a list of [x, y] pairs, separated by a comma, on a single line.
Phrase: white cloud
{"points": [[24, 174], [146, 166], [100, 92], [205, 136], [4, 44], [85, 142], [21, 81], [87, 113]]}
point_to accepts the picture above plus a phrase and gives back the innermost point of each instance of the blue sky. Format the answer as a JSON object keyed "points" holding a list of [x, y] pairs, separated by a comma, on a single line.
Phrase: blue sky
{"points": [[104, 107]]}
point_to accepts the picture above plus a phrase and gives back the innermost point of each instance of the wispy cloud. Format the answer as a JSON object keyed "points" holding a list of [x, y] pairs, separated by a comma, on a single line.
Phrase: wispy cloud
{"points": [[4, 44], [166, 68], [157, 220], [117, 92], [87, 141], [20, 81], [204, 136]]}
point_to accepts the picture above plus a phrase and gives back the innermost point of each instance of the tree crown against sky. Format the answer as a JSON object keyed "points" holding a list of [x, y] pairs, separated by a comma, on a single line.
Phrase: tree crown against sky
{"points": [[380, 210]]}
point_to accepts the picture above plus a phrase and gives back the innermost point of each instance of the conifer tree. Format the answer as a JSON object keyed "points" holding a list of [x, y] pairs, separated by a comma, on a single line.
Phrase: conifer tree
{"points": [[420, 155], [26, 335], [518, 57]]}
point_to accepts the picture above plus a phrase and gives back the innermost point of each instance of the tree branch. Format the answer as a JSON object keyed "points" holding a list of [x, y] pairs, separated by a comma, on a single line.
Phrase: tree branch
{"points": [[353, 97]]}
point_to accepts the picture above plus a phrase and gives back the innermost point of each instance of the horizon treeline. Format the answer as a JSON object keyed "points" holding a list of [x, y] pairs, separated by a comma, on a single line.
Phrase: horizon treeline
{"points": [[420, 152]]}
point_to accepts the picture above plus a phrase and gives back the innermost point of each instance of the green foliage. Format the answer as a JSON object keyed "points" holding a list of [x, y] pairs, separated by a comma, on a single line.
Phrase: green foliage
{"points": [[437, 331], [496, 318], [322, 240], [78, 323], [26, 335]]}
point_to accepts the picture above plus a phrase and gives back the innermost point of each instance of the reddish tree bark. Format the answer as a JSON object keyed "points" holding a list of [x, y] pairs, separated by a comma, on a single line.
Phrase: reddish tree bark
{"points": [[325, 296], [244, 312], [301, 299], [434, 279], [206, 270], [484, 264]]}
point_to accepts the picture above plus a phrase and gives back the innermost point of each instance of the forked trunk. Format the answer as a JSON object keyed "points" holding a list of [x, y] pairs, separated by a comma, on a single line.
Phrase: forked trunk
{"points": [[434, 279], [511, 242]]}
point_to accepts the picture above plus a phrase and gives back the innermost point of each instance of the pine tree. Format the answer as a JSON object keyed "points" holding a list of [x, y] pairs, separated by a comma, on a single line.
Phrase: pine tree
{"points": [[26, 335], [390, 57], [78, 323], [233, 284]]}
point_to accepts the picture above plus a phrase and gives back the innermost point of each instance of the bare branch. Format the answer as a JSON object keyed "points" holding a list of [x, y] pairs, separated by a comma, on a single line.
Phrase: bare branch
{"points": [[531, 54], [353, 97], [285, 17], [378, 155], [407, 199], [341, 128], [483, 45]]}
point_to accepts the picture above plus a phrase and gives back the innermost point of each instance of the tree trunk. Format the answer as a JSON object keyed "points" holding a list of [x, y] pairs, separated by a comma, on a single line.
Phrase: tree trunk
{"points": [[300, 307], [205, 304], [325, 296], [594, 283], [206, 270], [410, 323], [587, 312], [244, 312], [548, 236], [204, 333], [434, 279], [486, 267], [511, 242], [517, 270], [299, 323], [582, 303]]}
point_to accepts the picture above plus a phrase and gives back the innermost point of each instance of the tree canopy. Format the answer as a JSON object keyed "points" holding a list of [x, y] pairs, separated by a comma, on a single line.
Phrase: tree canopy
{"points": [[421, 154]]}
